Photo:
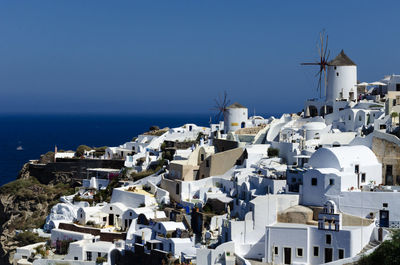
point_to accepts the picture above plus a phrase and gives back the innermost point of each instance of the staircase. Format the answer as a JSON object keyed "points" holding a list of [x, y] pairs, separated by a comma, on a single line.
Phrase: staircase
{"points": [[370, 245]]}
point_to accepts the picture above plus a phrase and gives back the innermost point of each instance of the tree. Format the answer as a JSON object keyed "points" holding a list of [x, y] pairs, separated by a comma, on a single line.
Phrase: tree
{"points": [[80, 151], [394, 116], [154, 128], [273, 152]]}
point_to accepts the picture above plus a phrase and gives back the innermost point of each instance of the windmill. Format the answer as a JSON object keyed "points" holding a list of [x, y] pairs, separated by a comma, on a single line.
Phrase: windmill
{"points": [[322, 47], [221, 103]]}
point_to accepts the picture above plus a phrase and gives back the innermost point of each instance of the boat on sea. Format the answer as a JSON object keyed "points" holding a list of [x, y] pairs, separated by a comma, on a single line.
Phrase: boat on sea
{"points": [[20, 148]]}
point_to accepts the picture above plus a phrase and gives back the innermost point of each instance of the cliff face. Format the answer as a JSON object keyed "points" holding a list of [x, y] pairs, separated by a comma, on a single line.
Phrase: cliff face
{"points": [[24, 204]]}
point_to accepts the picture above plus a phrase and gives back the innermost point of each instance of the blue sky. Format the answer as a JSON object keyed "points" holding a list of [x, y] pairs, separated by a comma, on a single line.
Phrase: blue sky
{"points": [[176, 56]]}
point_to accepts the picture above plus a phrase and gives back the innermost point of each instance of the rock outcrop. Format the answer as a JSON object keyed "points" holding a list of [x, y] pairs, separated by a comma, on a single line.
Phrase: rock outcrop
{"points": [[24, 204]]}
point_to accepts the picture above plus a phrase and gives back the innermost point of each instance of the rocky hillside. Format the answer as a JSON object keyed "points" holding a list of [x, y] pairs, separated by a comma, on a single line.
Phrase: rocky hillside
{"points": [[24, 204]]}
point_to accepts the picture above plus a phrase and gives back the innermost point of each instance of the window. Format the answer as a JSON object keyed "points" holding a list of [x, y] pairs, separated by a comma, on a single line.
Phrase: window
{"points": [[110, 208], [359, 118], [177, 189], [363, 177], [385, 205], [202, 157], [389, 170], [349, 117], [337, 73], [331, 182], [341, 253], [299, 252], [397, 179], [314, 181], [104, 219], [328, 239], [88, 256], [356, 169], [334, 67], [81, 215], [207, 163], [98, 254], [75, 258], [130, 213], [316, 251], [397, 87], [276, 250]]}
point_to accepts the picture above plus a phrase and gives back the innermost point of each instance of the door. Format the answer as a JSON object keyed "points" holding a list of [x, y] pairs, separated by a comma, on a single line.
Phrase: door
{"points": [[328, 255], [111, 219], [384, 218], [287, 258]]}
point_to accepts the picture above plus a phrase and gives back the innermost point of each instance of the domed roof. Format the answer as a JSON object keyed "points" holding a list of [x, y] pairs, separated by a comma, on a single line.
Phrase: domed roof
{"points": [[341, 60], [314, 126], [236, 106], [342, 157]]}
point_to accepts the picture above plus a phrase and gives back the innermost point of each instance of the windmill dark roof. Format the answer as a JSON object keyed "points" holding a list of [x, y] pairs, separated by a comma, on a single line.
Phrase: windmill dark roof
{"points": [[236, 106], [341, 60]]}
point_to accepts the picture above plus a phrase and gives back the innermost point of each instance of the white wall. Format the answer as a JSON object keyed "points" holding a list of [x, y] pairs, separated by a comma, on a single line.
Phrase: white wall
{"points": [[343, 82]]}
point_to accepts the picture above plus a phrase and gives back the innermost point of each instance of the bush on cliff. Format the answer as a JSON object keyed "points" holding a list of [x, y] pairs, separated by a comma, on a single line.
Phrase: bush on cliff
{"points": [[80, 151], [31, 202], [27, 238], [387, 253]]}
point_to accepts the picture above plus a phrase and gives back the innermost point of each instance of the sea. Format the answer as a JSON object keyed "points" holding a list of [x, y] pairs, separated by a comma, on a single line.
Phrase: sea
{"points": [[38, 134]]}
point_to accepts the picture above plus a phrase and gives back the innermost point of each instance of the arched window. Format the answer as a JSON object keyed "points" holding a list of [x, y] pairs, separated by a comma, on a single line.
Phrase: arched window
{"points": [[243, 124]]}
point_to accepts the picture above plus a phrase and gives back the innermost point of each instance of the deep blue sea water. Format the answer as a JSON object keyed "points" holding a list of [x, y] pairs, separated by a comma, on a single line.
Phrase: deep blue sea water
{"points": [[38, 134]]}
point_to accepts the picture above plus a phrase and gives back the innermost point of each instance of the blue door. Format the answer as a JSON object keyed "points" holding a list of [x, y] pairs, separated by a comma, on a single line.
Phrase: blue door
{"points": [[384, 218]]}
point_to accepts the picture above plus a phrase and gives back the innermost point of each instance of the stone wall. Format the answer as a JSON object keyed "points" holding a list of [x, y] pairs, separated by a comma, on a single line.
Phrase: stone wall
{"points": [[387, 150], [104, 236], [75, 168]]}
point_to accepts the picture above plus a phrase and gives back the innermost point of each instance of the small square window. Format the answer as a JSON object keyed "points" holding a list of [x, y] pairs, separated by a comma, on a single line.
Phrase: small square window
{"points": [[110, 208], [385, 204], [331, 182], [341, 253], [356, 169], [276, 251], [314, 182], [299, 252], [316, 251], [328, 239]]}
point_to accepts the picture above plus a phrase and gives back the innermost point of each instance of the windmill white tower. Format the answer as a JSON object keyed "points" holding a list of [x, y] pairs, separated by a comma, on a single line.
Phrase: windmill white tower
{"points": [[342, 79], [235, 117]]}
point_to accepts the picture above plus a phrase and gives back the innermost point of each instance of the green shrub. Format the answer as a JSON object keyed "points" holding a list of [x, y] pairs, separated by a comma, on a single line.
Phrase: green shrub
{"points": [[273, 152], [80, 151], [101, 259], [387, 253], [154, 128], [28, 238]]}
